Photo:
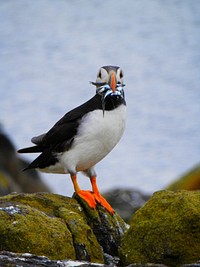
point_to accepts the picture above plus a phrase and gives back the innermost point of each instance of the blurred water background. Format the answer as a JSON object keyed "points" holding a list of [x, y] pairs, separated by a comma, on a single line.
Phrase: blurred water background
{"points": [[51, 49]]}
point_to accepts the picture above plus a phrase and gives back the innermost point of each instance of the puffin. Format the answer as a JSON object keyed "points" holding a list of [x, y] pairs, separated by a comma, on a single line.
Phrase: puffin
{"points": [[85, 135]]}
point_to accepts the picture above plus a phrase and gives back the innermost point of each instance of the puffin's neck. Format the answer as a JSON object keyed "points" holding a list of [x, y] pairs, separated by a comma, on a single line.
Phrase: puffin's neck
{"points": [[113, 102]]}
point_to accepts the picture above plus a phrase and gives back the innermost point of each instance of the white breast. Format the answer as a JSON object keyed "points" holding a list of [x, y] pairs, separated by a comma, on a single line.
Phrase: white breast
{"points": [[97, 136]]}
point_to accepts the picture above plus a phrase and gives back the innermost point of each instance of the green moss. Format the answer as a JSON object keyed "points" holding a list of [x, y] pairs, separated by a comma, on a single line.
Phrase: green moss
{"points": [[25, 229], [48, 203], [47, 224], [166, 230], [58, 227], [189, 181], [85, 242]]}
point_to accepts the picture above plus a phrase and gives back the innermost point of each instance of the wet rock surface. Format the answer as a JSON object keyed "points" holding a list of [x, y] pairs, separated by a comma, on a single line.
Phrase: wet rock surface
{"points": [[166, 230], [9, 259], [59, 227], [147, 265], [162, 265]]}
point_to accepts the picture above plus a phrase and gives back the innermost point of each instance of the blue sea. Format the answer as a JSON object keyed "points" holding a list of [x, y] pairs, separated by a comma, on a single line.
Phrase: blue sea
{"points": [[51, 49]]}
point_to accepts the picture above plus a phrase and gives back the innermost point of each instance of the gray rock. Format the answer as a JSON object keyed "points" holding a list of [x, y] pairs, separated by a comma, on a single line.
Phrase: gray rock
{"points": [[126, 201], [9, 259], [197, 264], [12, 179], [147, 265]]}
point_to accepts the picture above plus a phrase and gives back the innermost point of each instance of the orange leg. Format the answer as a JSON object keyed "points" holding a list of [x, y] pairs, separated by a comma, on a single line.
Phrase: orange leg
{"points": [[98, 196], [88, 196]]}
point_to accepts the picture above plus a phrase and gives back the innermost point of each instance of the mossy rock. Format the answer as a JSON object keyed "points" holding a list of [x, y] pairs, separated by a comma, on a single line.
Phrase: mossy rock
{"points": [[188, 181], [57, 227], [166, 230], [24, 228]]}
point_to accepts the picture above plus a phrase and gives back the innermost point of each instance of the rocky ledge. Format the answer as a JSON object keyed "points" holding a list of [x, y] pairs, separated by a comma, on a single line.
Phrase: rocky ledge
{"points": [[63, 231], [166, 230], [59, 228]]}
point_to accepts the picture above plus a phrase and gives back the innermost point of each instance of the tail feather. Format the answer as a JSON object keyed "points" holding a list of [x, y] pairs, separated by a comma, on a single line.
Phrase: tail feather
{"points": [[44, 160], [32, 149]]}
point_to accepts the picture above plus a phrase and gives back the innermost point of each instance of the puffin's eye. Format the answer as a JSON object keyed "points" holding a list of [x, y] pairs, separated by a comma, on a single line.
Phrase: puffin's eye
{"points": [[99, 74], [121, 74]]}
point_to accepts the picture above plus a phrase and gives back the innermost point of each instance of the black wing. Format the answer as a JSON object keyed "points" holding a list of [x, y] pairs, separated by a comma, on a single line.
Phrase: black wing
{"points": [[60, 136]]}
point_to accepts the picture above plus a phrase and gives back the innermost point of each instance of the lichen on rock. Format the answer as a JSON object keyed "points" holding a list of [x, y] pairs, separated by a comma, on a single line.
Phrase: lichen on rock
{"points": [[166, 230], [58, 227], [84, 241], [24, 228]]}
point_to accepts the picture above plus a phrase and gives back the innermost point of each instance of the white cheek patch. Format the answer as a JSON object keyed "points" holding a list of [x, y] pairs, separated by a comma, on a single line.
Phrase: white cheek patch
{"points": [[102, 76]]}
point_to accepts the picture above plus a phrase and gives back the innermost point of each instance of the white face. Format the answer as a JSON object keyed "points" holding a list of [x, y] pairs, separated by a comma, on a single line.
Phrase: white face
{"points": [[103, 76]]}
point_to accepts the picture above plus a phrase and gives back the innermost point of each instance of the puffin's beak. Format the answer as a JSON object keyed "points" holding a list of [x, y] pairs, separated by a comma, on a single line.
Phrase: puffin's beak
{"points": [[112, 81]]}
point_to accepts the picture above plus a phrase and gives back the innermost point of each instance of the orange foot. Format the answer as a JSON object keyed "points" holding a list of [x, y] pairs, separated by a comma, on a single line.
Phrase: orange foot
{"points": [[102, 201], [88, 196], [92, 199]]}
